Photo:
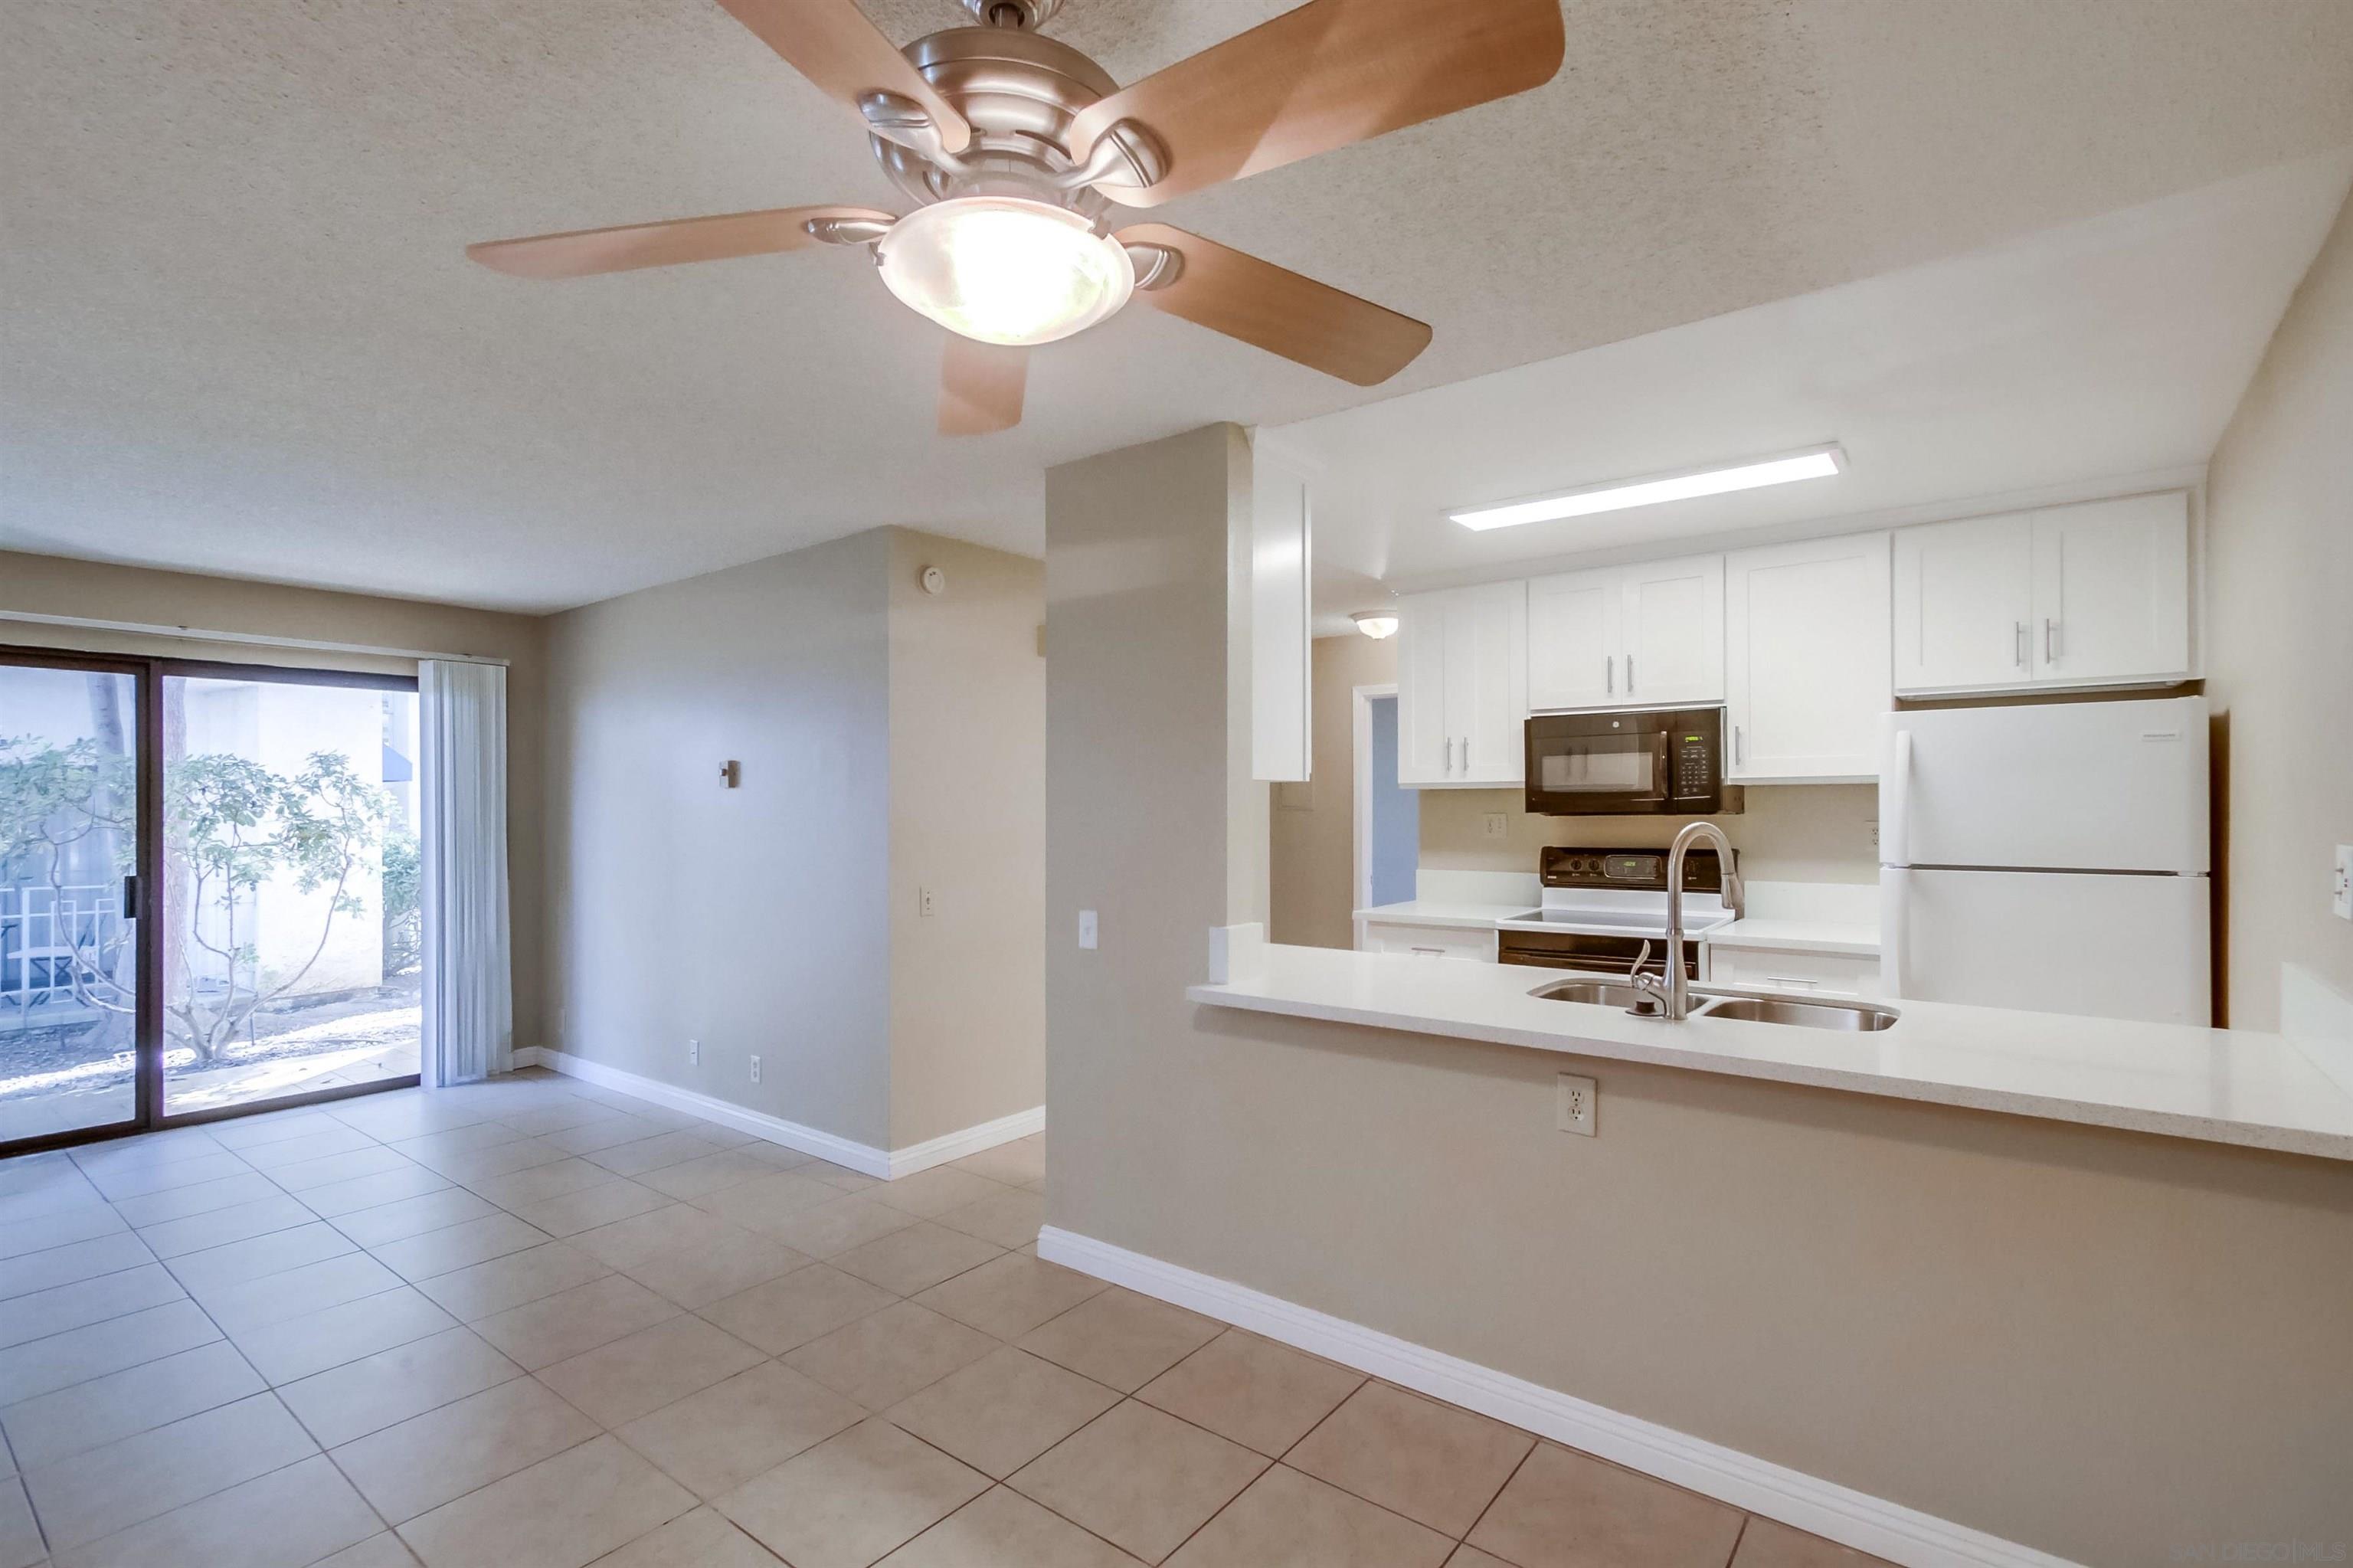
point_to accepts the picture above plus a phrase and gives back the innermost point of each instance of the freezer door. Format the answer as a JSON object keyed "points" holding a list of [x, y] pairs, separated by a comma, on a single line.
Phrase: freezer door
{"points": [[2107, 945], [2064, 786]]}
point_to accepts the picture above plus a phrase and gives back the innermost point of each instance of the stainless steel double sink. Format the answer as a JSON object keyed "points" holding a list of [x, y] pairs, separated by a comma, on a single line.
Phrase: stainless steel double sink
{"points": [[1855, 1016]]}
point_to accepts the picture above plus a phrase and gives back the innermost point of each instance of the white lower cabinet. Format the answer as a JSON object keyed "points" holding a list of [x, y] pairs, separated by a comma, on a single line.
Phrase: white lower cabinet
{"points": [[1428, 941], [1805, 658], [1798, 973]]}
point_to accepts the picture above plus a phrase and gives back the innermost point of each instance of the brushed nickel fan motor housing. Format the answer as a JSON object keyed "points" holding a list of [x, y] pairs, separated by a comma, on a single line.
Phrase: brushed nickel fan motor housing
{"points": [[1019, 91], [1027, 14]]}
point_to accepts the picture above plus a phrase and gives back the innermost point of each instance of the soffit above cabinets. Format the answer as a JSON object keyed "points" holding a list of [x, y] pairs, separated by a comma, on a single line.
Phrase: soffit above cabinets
{"points": [[2111, 350]]}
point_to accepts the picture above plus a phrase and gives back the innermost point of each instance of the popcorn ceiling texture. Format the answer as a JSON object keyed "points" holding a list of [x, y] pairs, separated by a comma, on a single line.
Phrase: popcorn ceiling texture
{"points": [[241, 337]]}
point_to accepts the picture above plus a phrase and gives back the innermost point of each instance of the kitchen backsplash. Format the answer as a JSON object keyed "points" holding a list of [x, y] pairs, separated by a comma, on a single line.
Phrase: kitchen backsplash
{"points": [[1788, 832]]}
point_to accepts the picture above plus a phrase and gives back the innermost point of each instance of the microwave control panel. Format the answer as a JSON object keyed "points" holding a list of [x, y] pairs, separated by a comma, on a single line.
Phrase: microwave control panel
{"points": [[1695, 770]]}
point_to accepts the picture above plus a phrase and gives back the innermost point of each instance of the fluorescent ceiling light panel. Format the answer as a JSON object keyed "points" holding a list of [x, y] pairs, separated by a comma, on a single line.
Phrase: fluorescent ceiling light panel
{"points": [[1814, 462]]}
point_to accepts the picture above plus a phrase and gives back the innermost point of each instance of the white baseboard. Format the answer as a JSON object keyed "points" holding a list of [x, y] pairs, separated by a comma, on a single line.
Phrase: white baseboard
{"points": [[970, 1140], [863, 1158], [1805, 1502]]}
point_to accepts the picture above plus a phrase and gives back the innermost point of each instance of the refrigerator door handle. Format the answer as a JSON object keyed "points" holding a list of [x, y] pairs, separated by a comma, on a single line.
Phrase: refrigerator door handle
{"points": [[1894, 888], [1896, 805]]}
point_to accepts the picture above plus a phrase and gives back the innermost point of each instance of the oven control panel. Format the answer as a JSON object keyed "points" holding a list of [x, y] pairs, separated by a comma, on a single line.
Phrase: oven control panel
{"points": [[1560, 867]]}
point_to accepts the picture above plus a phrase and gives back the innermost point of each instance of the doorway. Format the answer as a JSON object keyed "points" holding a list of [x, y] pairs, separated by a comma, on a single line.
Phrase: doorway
{"points": [[1388, 818], [208, 891]]}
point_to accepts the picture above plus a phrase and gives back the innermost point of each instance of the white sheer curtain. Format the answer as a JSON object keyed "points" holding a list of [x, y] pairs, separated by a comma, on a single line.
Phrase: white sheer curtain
{"points": [[468, 991]]}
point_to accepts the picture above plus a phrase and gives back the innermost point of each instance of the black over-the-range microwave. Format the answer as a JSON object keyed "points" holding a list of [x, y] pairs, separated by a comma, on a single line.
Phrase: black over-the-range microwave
{"points": [[1649, 762]]}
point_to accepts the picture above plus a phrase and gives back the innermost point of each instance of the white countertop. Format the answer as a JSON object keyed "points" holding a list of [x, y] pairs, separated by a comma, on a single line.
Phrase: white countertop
{"points": [[1442, 912], [1797, 935], [2220, 1086]]}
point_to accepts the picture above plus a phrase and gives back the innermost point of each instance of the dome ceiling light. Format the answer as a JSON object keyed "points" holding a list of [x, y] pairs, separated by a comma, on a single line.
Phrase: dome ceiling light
{"points": [[1021, 156]]}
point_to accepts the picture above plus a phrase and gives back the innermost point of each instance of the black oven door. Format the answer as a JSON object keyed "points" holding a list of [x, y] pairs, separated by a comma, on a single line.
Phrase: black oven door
{"points": [[1591, 952], [1588, 765]]}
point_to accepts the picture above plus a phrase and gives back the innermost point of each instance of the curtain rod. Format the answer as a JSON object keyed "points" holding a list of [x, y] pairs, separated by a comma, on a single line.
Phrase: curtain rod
{"points": [[249, 638]]}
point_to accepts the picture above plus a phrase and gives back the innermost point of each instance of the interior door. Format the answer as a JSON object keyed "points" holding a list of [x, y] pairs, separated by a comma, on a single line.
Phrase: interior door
{"points": [[75, 828], [1573, 641], [1674, 634], [2111, 589], [1964, 604]]}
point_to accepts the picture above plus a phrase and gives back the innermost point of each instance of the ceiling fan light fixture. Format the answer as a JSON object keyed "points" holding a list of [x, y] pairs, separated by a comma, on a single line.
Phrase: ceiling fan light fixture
{"points": [[1005, 270]]}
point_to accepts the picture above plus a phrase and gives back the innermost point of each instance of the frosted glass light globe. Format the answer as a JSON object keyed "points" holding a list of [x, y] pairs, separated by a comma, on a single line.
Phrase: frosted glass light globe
{"points": [[1002, 269]]}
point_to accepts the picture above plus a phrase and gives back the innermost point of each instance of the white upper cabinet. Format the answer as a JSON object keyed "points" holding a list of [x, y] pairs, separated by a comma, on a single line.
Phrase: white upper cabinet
{"points": [[1963, 595], [1806, 658], [2089, 594], [1574, 640], [1674, 632], [1281, 595], [1644, 636], [1462, 685], [2112, 590]]}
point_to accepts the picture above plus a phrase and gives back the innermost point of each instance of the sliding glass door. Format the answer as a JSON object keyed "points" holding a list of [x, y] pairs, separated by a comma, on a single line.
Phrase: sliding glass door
{"points": [[289, 917], [70, 822], [208, 891]]}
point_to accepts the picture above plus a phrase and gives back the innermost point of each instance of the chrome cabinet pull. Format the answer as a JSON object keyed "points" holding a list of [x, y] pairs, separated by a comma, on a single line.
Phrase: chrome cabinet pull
{"points": [[2020, 659], [1630, 675], [1735, 745], [2050, 641], [1610, 673]]}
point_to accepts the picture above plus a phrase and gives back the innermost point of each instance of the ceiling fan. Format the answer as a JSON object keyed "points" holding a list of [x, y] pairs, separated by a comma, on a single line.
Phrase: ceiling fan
{"points": [[1019, 150]]}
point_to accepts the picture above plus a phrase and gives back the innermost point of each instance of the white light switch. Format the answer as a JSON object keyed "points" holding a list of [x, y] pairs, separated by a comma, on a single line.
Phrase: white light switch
{"points": [[2341, 900], [926, 905], [1086, 929]]}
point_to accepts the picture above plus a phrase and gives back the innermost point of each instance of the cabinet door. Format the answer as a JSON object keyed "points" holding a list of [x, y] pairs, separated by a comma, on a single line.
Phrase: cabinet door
{"points": [[1424, 743], [1673, 637], [1487, 682], [1964, 602], [2112, 590], [1806, 658], [1573, 640]]}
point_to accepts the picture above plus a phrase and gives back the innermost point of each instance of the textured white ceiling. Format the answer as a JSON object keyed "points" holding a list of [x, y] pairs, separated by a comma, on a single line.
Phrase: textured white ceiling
{"points": [[2114, 348], [239, 334]]}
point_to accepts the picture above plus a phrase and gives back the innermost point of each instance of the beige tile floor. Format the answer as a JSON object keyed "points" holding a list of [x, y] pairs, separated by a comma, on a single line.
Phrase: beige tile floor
{"points": [[530, 1324]]}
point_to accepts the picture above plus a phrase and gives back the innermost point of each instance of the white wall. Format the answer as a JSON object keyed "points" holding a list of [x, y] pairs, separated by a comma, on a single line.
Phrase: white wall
{"points": [[2279, 508]]}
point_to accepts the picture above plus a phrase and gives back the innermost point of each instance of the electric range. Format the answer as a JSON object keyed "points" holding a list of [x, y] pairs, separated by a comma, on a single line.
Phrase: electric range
{"points": [[1605, 910]]}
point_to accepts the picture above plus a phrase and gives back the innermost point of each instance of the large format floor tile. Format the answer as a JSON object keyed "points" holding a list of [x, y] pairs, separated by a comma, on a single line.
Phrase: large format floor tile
{"points": [[536, 1324]]}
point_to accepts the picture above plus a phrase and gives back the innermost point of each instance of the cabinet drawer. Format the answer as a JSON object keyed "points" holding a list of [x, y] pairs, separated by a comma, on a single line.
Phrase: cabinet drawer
{"points": [[1429, 942], [1775, 968]]}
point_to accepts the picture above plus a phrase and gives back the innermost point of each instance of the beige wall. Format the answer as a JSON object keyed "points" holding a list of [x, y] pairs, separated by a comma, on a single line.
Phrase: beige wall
{"points": [[1313, 839], [2101, 1344], [969, 821], [755, 919], [2279, 507], [1785, 832], [889, 741], [51, 585]]}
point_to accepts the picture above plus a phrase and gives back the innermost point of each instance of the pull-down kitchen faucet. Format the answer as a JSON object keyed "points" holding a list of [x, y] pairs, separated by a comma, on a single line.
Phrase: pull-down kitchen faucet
{"points": [[1674, 995]]}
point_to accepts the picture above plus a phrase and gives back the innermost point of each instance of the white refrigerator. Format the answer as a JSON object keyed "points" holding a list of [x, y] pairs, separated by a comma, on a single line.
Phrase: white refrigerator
{"points": [[2052, 856]]}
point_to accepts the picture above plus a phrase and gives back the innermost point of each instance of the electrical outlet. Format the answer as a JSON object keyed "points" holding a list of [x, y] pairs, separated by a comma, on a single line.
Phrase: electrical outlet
{"points": [[1574, 1100], [2340, 901], [1496, 826], [694, 1053], [926, 905], [1086, 929], [1875, 833], [755, 1069]]}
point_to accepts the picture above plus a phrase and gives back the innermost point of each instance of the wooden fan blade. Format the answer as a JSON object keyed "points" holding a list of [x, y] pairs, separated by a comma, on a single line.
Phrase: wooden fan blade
{"points": [[583, 252], [1329, 73], [1235, 293], [831, 43], [980, 387]]}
